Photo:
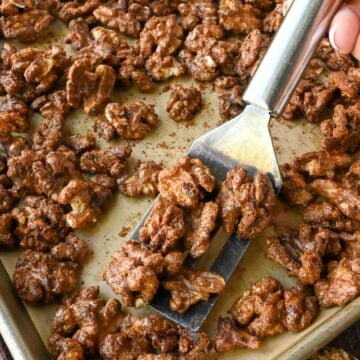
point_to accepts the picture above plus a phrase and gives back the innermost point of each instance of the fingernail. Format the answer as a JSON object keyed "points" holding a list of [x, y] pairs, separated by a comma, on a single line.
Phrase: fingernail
{"points": [[332, 38]]}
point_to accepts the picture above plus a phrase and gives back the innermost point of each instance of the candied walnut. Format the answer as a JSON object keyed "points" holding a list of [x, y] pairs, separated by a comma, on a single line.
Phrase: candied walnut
{"points": [[122, 346], [106, 161], [87, 319], [310, 99], [244, 204], [7, 238], [52, 104], [230, 337], [139, 12], [227, 82], [334, 59], [351, 179], [321, 164], [131, 121], [116, 19], [274, 19], [164, 226], [7, 200], [132, 274], [211, 59], [231, 103], [13, 115], [201, 34], [11, 146], [251, 52], [80, 143], [341, 285], [314, 69], [162, 35], [163, 7], [162, 333], [301, 254], [20, 172], [27, 26], [163, 68], [49, 133], [195, 12], [300, 308], [144, 181], [38, 172], [65, 348], [77, 9], [132, 69], [82, 199], [351, 245], [183, 103], [39, 278], [315, 102], [89, 85], [238, 17], [348, 201], [40, 69], [261, 308], [348, 86], [40, 224], [189, 287], [195, 346], [201, 223], [342, 131], [104, 129], [79, 34], [107, 45], [328, 216], [186, 182], [72, 249], [294, 187]]}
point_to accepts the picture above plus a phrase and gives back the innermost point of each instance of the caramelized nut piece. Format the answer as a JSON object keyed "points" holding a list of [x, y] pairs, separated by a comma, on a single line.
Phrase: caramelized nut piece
{"points": [[13, 115], [132, 121], [262, 307], [86, 319], [40, 224], [164, 226], [183, 103], [39, 278], [230, 337], [7, 239], [186, 182], [244, 203], [144, 181], [106, 161], [300, 308], [342, 284], [345, 199], [132, 274], [201, 222], [27, 26], [189, 287], [72, 249], [238, 17]]}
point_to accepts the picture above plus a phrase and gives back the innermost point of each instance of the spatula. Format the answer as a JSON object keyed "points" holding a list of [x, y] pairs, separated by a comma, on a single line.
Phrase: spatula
{"points": [[245, 141]]}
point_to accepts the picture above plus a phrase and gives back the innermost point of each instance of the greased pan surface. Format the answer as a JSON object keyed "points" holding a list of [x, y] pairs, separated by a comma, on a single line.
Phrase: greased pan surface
{"points": [[167, 143]]}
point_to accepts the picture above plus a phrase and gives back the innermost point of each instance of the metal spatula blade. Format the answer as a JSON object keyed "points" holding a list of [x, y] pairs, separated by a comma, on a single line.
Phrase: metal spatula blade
{"points": [[245, 141]]}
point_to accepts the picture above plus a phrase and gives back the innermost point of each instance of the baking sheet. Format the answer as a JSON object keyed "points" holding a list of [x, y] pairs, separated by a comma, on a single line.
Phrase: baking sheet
{"points": [[166, 144]]}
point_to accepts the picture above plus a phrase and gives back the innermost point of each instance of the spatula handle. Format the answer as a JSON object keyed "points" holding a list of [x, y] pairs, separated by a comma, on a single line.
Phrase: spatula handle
{"points": [[289, 53]]}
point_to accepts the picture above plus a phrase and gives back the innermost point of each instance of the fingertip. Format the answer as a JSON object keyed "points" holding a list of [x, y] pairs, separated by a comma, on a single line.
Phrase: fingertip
{"points": [[344, 30]]}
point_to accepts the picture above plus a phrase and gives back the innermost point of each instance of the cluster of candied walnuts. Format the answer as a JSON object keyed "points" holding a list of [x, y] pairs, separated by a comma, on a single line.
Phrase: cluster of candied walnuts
{"points": [[324, 251], [63, 182]]}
